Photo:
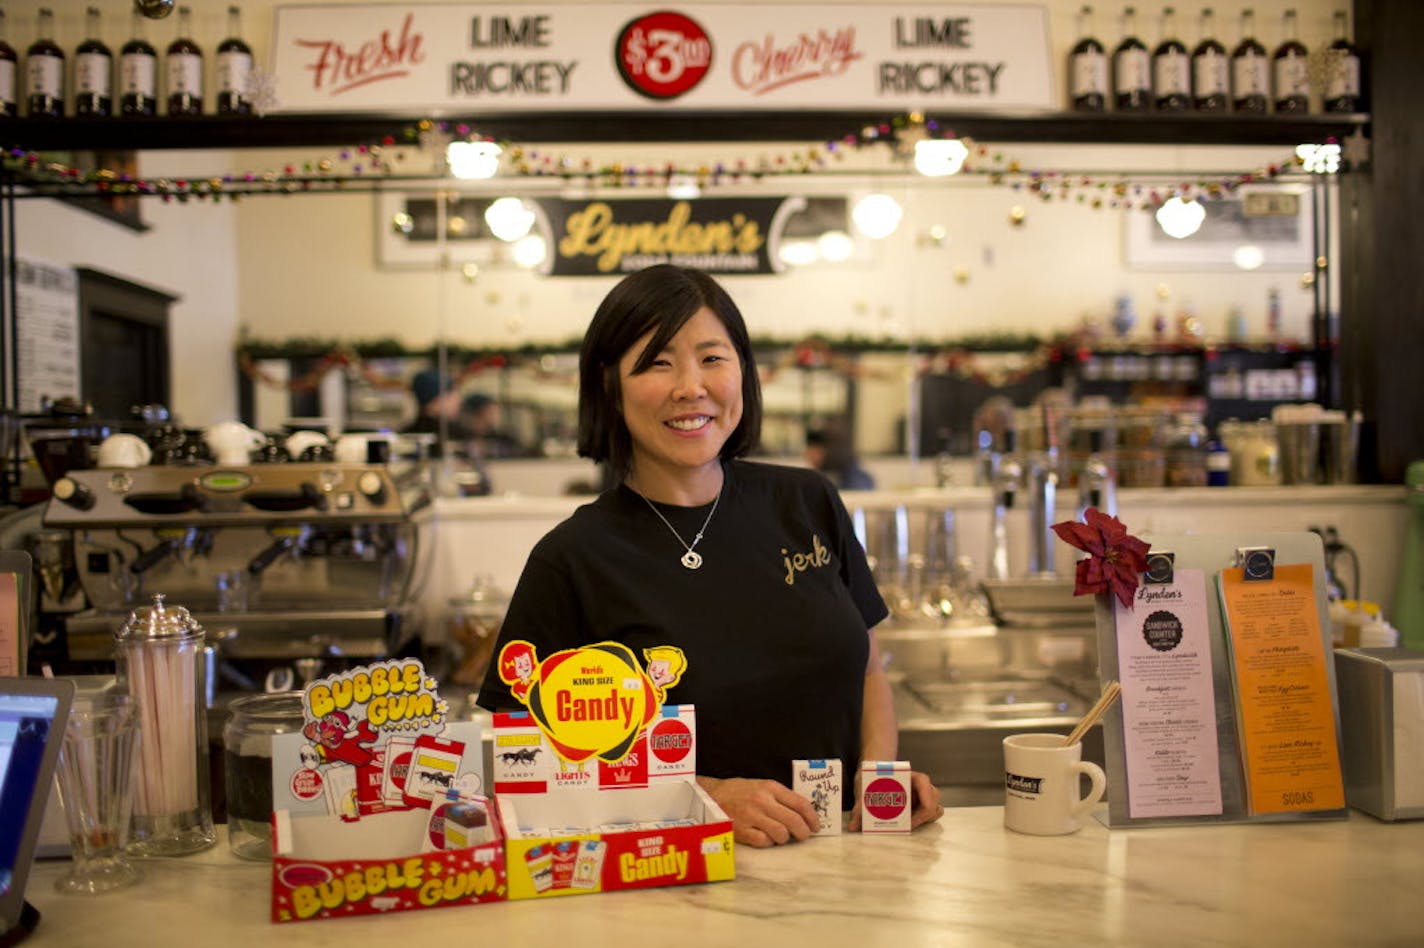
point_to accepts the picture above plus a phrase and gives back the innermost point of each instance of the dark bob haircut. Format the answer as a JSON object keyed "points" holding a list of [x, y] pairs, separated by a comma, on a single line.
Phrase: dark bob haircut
{"points": [[660, 300]]}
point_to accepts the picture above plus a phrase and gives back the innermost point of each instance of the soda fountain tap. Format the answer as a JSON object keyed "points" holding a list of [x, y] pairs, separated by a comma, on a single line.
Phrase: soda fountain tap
{"points": [[1008, 480], [1042, 504], [1097, 483]]}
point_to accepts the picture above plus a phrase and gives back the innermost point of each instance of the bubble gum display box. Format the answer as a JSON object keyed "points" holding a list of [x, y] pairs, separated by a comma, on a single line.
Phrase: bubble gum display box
{"points": [[362, 795], [323, 867], [670, 833]]}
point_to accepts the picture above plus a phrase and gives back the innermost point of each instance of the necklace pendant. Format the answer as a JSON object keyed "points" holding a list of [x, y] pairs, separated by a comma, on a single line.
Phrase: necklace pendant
{"points": [[692, 559]]}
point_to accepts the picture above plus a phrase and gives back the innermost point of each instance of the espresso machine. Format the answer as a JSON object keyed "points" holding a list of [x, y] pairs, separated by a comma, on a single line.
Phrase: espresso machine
{"points": [[304, 566]]}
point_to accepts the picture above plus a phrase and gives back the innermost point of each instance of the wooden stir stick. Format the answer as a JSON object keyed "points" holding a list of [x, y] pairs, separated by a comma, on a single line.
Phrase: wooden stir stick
{"points": [[1099, 708]]}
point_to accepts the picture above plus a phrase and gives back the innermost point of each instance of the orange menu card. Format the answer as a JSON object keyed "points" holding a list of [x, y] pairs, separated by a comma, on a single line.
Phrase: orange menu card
{"points": [[1285, 712]]}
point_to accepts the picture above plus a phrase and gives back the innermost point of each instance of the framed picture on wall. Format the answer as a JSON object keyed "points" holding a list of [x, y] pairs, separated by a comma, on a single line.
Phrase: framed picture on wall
{"points": [[1259, 227], [408, 225]]}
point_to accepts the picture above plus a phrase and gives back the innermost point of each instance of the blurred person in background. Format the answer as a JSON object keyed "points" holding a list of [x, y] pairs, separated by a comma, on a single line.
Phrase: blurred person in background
{"points": [[828, 450], [435, 398]]}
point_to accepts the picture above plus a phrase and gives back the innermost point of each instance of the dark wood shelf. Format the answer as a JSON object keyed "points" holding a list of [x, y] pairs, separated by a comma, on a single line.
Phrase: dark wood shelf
{"points": [[319, 130]]}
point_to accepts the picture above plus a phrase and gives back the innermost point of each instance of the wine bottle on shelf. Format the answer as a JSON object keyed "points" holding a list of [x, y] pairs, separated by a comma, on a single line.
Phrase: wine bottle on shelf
{"points": [[1209, 73], [93, 71], [1088, 68], [138, 72], [234, 67], [1171, 70], [9, 96], [1290, 70], [1342, 70], [1131, 68], [44, 71], [185, 69], [1250, 77]]}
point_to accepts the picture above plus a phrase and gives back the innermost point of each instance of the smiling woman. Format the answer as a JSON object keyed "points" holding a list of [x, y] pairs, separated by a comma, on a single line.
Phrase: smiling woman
{"points": [[761, 585]]}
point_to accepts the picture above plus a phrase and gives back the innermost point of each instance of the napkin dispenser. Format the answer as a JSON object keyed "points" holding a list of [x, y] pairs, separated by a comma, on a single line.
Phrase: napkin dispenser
{"points": [[1382, 723]]}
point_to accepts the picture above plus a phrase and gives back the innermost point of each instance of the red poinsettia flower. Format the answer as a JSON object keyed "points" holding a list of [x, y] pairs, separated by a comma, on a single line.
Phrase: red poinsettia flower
{"points": [[1115, 557]]}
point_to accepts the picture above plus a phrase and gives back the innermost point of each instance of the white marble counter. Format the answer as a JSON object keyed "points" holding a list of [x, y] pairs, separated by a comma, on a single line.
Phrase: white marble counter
{"points": [[965, 880]]}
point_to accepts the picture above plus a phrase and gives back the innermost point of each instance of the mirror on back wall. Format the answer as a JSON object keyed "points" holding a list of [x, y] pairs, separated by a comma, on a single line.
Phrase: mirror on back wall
{"points": [[978, 281]]}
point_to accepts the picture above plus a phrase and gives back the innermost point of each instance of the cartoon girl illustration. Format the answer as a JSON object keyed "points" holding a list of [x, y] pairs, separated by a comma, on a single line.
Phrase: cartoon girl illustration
{"points": [[517, 662], [666, 663]]}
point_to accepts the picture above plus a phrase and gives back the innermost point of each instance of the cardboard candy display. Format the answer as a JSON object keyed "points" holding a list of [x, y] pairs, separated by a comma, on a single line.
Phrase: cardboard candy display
{"points": [[597, 779], [378, 807]]}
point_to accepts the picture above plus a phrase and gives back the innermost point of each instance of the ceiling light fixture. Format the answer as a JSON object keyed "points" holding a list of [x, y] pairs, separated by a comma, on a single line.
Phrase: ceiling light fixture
{"points": [[877, 215], [1180, 219], [509, 218], [472, 161], [937, 157]]}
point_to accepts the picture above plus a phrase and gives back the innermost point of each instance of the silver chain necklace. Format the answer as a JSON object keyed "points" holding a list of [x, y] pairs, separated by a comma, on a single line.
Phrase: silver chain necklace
{"points": [[691, 559]]}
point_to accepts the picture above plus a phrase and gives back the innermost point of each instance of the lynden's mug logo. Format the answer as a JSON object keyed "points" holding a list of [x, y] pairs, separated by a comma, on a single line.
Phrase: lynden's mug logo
{"points": [[663, 55], [769, 65], [336, 69], [1023, 784]]}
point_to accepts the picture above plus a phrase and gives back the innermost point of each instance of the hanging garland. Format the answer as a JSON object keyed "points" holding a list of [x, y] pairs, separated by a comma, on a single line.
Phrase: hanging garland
{"points": [[978, 359], [349, 359], [365, 166]]}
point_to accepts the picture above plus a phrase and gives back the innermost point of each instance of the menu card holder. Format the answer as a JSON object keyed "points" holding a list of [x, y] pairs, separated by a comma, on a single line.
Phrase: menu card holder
{"points": [[1211, 555]]}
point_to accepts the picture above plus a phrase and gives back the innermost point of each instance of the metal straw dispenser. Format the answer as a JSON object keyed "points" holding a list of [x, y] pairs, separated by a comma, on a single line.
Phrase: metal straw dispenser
{"points": [[159, 650]]}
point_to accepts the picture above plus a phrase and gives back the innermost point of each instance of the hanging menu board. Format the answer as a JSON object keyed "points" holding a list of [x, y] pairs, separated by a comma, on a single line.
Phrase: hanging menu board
{"points": [[458, 57], [46, 333]]}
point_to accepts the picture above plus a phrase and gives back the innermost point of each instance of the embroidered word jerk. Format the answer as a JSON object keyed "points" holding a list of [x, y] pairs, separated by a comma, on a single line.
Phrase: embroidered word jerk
{"points": [[800, 562]]}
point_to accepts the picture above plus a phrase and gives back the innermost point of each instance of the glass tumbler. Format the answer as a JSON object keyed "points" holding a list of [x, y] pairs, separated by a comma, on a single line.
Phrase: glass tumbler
{"points": [[95, 778]]}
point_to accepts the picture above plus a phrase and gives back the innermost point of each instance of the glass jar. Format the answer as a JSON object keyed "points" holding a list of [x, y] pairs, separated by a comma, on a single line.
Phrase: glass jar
{"points": [[252, 722], [1141, 452], [475, 619], [161, 663], [1186, 452], [1255, 455]]}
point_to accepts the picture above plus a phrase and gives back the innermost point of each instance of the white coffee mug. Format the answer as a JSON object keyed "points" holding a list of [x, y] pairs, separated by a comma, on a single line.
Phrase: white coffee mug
{"points": [[351, 449], [356, 448], [124, 450], [232, 442], [1041, 784], [299, 441]]}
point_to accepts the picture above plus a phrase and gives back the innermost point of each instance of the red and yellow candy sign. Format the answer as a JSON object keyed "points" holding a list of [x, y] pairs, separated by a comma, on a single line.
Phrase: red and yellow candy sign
{"points": [[591, 701]]}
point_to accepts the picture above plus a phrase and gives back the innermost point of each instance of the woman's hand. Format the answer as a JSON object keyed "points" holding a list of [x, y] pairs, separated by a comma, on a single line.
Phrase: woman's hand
{"points": [[924, 802], [764, 813]]}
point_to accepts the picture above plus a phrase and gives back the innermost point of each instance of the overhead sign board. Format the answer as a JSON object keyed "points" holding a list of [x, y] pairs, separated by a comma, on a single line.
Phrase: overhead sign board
{"points": [[472, 58]]}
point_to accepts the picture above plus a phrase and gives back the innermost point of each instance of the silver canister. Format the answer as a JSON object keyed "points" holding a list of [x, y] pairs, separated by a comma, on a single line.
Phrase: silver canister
{"points": [[160, 662]]}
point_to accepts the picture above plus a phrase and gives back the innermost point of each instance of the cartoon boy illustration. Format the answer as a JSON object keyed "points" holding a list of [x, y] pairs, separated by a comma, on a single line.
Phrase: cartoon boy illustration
{"points": [[666, 663]]}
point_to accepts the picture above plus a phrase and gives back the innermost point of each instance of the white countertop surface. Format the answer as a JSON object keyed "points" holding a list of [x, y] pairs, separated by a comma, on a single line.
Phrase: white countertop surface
{"points": [[963, 881]]}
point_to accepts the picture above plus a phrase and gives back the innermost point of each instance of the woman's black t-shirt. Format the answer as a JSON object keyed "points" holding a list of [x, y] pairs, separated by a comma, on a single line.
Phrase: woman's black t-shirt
{"points": [[773, 625]]}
